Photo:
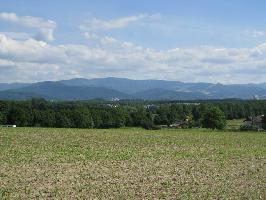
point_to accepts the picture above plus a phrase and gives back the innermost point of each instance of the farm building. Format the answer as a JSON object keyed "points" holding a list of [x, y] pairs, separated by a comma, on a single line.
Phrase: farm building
{"points": [[9, 126], [180, 124], [255, 122]]}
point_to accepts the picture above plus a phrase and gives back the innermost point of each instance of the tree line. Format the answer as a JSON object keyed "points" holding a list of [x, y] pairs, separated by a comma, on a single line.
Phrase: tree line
{"points": [[42, 113]]}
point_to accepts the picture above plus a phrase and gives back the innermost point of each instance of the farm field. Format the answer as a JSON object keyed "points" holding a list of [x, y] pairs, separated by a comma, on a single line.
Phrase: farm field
{"points": [[131, 163], [234, 124]]}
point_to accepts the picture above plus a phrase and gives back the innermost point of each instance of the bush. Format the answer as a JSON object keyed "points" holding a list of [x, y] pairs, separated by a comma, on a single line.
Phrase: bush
{"points": [[1, 118], [248, 128], [213, 118], [148, 125], [264, 122]]}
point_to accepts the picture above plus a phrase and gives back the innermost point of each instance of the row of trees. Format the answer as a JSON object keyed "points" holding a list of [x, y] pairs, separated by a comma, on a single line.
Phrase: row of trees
{"points": [[39, 112]]}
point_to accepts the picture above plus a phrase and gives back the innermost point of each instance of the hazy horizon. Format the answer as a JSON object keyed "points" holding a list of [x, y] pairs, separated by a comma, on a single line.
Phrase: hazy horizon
{"points": [[192, 41], [31, 82]]}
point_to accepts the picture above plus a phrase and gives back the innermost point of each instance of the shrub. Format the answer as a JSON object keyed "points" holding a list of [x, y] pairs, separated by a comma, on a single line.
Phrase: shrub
{"points": [[213, 118], [148, 125]]}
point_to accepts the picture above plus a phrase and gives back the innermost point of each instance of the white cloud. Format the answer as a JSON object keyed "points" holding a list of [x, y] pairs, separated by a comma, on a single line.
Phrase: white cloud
{"points": [[33, 60], [104, 25], [91, 36], [16, 35], [45, 27], [258, 34], [108, 41]]}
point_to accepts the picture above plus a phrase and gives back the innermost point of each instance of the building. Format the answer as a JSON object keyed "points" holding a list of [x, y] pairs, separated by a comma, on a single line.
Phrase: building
{"points": [[9, 126], [180, 124], [255, 122], [256, 97], [115, 99]]}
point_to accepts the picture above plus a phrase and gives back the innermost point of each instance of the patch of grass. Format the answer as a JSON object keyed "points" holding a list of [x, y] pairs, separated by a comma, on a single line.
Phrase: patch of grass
{"points": [[4, 193], [234, 124], [131, 164]]}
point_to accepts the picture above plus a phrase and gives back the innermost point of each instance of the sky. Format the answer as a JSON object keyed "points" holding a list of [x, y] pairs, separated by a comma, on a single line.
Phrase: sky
{"points": [[218, 41]]}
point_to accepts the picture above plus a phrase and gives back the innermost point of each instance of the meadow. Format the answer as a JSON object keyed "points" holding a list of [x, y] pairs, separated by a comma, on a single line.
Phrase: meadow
{"points": [[131, 163], [234, 124]]}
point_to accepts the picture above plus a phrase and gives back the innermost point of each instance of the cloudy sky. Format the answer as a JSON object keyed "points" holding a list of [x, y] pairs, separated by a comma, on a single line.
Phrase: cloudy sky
{"points": [[193, 41]]}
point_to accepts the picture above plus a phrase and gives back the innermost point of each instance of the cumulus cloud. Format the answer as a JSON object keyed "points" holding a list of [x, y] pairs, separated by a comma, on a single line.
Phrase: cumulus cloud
{"points": [[110, 42], [45, 27], [16, 35], [33, 60], [258, 34], [104, 25]]}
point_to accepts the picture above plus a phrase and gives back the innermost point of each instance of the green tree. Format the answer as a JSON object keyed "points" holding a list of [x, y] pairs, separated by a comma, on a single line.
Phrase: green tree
{"points": [[264, 122], [44, 118], [3, 111], [139, 116], [39, 103], [96, 117], [2, 121], [20, 116], [82, 118], [63, 120], [213, 118]]}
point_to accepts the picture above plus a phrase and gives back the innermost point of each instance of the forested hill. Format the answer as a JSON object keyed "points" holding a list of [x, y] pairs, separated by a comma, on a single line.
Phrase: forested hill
{"points": [[121, 88], [59, 91]]}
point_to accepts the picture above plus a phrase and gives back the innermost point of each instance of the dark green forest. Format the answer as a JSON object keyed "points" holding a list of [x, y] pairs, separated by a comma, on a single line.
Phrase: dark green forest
{"points": [[147, 114]]}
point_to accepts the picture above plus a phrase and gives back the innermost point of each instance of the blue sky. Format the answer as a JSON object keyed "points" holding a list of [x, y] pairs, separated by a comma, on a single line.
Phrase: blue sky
{"points": [[192, 40]]}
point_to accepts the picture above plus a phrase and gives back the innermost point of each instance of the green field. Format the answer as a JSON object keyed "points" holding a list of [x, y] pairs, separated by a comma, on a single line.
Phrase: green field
{"points": [[234, 124], [39, 163]]}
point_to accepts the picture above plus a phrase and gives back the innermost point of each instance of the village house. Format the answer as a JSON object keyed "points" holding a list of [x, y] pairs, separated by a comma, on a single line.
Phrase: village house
{"points": [[255, 122], [180, 124], [9, 126]]}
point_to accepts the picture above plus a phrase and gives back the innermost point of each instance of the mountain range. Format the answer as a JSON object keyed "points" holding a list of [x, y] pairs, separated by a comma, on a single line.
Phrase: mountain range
{"points": [[122, 88]]}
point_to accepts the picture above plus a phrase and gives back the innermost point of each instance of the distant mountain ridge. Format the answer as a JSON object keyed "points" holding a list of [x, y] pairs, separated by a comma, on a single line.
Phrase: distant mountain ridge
{"points": [[59, 91], [122, 88], [10, 86]]}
